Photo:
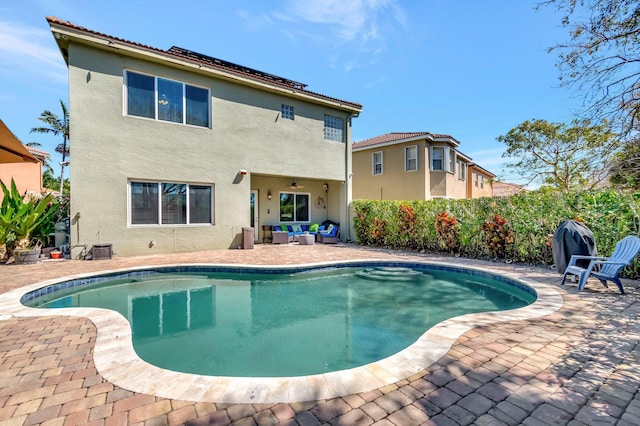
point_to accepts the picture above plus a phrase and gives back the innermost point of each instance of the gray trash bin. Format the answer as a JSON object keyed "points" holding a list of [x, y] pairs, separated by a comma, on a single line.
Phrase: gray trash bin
{"points": [[247, 238]]}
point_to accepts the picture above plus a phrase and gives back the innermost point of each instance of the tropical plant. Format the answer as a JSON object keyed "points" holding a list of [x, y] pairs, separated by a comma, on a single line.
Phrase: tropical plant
{"points": [[498, 236], [58, 126], [21, 215], [447, 228]]}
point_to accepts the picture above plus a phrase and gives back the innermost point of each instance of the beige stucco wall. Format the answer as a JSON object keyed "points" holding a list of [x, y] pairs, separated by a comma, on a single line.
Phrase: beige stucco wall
{"points": [[394, 183], [397, 184], [110, 148], [477, 191]]}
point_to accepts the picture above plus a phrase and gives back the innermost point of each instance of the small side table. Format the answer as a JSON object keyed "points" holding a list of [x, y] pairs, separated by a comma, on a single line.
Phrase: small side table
{"points": [[306, 239], [265, 237]]}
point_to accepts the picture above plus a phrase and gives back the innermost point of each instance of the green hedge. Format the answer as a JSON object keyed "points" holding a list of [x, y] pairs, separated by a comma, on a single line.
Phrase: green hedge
{"points": [[517, 228]]}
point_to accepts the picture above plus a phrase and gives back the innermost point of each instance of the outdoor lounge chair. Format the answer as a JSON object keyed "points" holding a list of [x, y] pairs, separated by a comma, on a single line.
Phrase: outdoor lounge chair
{"points": [[609, 267], [329, 237]]}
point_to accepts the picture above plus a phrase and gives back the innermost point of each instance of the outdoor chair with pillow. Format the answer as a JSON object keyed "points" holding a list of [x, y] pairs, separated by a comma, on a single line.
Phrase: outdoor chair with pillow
{"points": [[280, 235], [609, 267], [330, 236]]}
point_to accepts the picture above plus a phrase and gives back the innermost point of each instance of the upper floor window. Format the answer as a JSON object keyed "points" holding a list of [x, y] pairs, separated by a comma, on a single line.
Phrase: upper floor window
{"points": [[166, 100], [481, 182], [452, 161], [168, 203], [437, 158], [333, 128], [287, 112], [377, 163], [411, 158], [476, 179], [462, 170]]}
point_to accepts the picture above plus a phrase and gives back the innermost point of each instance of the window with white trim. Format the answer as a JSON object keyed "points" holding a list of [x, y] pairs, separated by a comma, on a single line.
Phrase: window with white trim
{"points": [[437, 158], [462, 170], [294, 207], [411, 158], [166, 100], [476, 179], [377, 165], [287, 112], [481, 182], [451, 160], [168, 203], [333, 128]]}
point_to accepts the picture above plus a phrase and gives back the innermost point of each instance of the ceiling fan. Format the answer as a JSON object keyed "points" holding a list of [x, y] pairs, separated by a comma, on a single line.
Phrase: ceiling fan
{"points": [[295, 185]]}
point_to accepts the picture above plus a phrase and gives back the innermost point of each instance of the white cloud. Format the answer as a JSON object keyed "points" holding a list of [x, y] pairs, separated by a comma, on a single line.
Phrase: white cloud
{"points": [[363, 23], [32, 51]]}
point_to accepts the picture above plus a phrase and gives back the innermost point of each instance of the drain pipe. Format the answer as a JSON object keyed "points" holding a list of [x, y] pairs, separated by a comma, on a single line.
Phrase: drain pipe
{"points": [[348, 176]]}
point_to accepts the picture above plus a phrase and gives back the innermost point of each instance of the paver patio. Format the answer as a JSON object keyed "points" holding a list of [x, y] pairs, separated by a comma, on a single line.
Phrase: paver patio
{"points": [[579, 365]]}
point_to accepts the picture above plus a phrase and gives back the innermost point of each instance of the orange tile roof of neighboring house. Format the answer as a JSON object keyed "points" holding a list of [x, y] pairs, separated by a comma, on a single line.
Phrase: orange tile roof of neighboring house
{"points": [[218, 64], [504, 189], [38, 153], [400, 136]]}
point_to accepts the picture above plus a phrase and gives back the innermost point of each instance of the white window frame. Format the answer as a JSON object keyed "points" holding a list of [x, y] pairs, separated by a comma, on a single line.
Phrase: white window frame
{"points": [[451, 160], [476, 179], [334, 128], [481, 181], [408, 159], [159, 204], [432, 158], [374, 163], [155, 89], [462, 170], [295, 210], [287, 112]]}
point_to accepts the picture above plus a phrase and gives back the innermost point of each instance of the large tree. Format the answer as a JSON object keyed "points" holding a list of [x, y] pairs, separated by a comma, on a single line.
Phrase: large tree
{"points": [[58, 126], [562, 156], [625, 170], [602, 57]]}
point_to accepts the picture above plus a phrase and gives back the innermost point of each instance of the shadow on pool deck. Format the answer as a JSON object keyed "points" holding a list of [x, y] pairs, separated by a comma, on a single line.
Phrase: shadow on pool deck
{"points": [[579, 364]]}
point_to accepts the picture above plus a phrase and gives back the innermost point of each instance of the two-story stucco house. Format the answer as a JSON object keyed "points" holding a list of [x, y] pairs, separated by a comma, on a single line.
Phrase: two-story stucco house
{"points": [[416, 166], [176, 151]]}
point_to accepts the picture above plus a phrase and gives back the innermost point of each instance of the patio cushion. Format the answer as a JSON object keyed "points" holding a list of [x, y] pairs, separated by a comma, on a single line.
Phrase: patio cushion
{"points": [[313, 227], [296, 228]]}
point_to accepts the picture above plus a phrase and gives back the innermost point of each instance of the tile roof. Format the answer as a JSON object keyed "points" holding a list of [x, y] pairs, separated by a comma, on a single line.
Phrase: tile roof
{"points": [[211, 62], [400, 136], [503, 189]]}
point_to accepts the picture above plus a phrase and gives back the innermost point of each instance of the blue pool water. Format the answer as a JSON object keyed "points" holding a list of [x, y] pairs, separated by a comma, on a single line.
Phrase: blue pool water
{"points": [[284, 324]]}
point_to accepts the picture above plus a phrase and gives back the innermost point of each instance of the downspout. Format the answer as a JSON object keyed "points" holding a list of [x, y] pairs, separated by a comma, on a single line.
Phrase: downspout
{"points": [[348, 177]]}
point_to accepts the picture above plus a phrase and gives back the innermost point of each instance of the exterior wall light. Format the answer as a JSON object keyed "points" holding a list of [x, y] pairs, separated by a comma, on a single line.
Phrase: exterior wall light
{"points": [[269, 196]]}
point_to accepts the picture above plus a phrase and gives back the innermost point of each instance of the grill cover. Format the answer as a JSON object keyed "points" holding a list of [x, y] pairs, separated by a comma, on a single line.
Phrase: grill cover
{"points": [[572, 237]]}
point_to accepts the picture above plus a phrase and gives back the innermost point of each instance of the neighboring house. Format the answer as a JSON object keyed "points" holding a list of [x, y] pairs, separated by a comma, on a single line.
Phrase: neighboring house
{"points": [[176, 151], [480, 182], [504, 189], [416, 166], [23, 164]]}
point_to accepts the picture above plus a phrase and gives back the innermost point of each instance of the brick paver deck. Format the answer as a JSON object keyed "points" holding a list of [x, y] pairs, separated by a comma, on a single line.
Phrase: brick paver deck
{"points": [[579, 365]]}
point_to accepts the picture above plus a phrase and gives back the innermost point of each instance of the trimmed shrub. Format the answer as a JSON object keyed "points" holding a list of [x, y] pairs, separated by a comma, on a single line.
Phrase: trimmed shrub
{"points": [[517, 228]]}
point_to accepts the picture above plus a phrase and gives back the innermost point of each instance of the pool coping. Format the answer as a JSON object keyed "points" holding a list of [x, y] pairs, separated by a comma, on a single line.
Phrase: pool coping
{"points": [[116, 360]]}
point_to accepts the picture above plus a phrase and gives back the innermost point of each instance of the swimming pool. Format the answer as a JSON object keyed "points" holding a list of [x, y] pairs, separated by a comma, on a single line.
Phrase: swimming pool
{"points": [[269, 324], [115, 359]]}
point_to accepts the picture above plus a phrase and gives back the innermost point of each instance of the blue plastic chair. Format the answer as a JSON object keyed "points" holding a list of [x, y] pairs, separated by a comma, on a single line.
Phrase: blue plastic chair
{"points": [[626, 250]]}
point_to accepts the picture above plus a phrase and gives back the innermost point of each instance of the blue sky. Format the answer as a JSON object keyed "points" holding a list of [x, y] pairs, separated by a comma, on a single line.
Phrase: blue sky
{"points": [[470, 69]]}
